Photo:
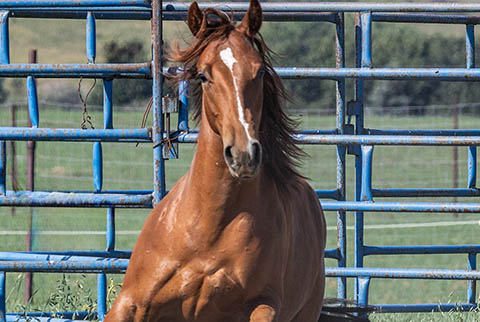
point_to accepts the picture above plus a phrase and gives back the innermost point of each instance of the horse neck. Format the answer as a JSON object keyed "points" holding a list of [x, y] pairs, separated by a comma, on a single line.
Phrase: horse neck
{"points": [[211, 186]]}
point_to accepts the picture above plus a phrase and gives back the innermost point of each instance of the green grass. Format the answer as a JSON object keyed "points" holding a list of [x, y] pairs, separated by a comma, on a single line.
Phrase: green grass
{"points": [[67, 166]]}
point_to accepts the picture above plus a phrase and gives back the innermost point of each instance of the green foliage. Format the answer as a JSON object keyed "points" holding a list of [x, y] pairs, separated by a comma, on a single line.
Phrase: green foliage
{"points": [[125, 91], [394, 45]]}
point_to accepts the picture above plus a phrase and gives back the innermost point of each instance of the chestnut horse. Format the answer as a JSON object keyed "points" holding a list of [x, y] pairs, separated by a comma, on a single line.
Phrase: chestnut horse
{"points": [[241, 236]]}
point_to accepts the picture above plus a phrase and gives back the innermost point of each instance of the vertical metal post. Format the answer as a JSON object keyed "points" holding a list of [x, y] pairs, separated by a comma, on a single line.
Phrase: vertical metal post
{"points": [[4, 38], [472, 150], [31, 146], [363, 287], [90, 37], [3, 167], [183, 108], [97, 163], [3, 312], [341, 153], [472, 285], [13, 153], [472, 166], [366, 190], [363, 23], [158, 123]]}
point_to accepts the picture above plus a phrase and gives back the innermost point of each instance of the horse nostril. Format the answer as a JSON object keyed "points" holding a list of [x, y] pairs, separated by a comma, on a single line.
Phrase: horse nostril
{"points": [[228, 154], [256, 153]]}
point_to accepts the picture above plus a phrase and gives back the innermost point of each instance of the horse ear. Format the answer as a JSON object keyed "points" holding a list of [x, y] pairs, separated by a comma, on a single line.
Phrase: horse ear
{"points": [[252, 21], [194, 18]]}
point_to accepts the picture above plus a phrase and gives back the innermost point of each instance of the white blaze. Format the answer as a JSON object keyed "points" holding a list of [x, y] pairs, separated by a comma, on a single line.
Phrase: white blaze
{"points": [[229, 60]]}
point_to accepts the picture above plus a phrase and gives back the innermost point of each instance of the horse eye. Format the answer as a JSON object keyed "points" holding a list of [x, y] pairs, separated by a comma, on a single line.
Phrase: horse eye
{"points": [[202, 77]]}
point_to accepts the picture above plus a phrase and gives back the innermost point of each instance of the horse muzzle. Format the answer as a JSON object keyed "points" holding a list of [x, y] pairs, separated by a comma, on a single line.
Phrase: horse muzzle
{"points": [[243, 164]]}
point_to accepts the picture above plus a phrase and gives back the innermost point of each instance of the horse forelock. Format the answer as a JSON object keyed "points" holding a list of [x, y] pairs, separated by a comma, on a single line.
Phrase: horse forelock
{"points": [[281, 155]]}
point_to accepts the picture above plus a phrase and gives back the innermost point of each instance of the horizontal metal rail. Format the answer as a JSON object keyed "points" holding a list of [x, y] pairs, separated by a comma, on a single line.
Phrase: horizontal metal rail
{"points": [[334, 6], [368, 139], [135, 13], [66, 255], [427, 132], [433, 307], [105, 266], [120, 265], [243, 6], [446, 74], [402, 273], [368, 206], [60, 199], [47, 134], [421, 250], [426, 18], [16, 318], [73, 3], [141, 70], [427, 192]]}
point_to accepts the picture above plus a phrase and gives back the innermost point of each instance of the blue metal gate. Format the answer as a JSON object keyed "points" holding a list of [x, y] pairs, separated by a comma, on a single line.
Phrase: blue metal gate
{"points": [[352, 139]]}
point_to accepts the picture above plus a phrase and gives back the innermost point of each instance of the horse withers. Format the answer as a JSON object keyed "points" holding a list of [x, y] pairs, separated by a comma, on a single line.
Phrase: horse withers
{"points": [[241, 236]]}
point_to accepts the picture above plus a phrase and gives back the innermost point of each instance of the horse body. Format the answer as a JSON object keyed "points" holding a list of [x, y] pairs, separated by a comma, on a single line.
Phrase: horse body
{"points": [[229, 242]]}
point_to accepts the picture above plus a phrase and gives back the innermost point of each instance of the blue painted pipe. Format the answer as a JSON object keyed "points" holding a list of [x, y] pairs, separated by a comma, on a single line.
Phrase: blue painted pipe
{"points": [[425, 18], [82, 256], [332, 253], [101, 296], [341, 152], [403, 273], [447, 74], [3, 291], [72, 3], [32, 100], [106, 265], [427, 192], [108, 104], [183, 108], [3, 168], [328, 194], [97, 166], [366, 29], [333, 6], [4, 38], [141, 70], [428, 132], [472, 167], [159, 186], [421, 250], [140, 13], [363, 288], [191, 137], [110, 234], [91, 45], [46, 134], [401, 206], [17, 318], [434, 307], [366, 188], [472, 285], [57, 199]]}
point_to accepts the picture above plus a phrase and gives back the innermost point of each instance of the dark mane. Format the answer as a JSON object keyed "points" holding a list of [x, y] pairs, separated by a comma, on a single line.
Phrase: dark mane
{"points": [[281, 155]]}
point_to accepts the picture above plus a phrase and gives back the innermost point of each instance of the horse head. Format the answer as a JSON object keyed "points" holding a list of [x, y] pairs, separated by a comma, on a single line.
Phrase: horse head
{"points": [[231, 72]]}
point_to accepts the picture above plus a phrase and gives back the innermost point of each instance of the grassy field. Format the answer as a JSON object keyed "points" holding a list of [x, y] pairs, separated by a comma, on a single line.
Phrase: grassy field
{"points": [[67, 166]]}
